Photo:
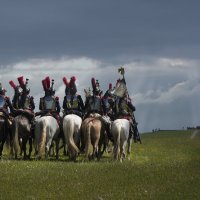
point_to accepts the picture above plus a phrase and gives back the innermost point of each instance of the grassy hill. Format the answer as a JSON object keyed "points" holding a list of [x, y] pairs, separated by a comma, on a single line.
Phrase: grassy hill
{"points": [[165, 166]]}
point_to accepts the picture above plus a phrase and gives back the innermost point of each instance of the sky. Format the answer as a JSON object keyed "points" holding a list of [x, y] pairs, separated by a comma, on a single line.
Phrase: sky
{"points": [[156, 41]]}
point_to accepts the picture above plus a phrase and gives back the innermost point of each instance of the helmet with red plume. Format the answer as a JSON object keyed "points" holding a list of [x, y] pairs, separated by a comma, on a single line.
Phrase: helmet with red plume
{"points": [[72, 85], [96, 86]]}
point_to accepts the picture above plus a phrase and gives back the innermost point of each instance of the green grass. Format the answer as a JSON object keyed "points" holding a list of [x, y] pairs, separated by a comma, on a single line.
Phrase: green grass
{"points": [[165, 166]]}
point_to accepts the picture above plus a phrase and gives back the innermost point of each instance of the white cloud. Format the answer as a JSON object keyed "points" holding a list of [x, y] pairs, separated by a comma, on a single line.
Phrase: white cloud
{"points": [[151, 81], [180, 90]]}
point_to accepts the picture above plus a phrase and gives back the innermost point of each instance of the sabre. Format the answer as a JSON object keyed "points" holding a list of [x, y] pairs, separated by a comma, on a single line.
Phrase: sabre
{"points": [[52, 83]]}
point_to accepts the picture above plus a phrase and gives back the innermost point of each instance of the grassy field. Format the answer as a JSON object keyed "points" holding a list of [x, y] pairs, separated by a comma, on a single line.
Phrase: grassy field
{"points": [[165, 166]]}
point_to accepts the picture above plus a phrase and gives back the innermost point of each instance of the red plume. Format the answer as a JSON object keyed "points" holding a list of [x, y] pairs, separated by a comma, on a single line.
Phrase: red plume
{"points": [[73, 78], [13, 84], [110, 86], [44, 84], [47, 79], [72, 81], [65, 81], [93, 81], [21, 81]]}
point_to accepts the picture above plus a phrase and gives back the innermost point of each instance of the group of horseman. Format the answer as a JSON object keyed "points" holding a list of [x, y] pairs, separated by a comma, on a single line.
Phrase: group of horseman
{"points": [[108, 105]]}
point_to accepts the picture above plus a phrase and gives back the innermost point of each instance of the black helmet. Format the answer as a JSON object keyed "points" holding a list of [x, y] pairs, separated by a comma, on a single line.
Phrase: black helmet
{"points": [[2, 90]]}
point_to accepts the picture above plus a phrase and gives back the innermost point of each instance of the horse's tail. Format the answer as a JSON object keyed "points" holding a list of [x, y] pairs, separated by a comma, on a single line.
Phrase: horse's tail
{"points": [[117, 130], [69, 133], [43, 134], [87, 137], [15, 136]]}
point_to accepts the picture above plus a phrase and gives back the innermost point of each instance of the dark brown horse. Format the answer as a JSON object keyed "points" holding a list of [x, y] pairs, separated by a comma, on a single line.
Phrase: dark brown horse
{"points": [[21, 134], [3, 132]]}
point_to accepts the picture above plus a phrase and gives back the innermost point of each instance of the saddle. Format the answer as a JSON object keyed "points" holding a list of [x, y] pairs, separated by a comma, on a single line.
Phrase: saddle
{"points": [[8, 118], [128, 117]]}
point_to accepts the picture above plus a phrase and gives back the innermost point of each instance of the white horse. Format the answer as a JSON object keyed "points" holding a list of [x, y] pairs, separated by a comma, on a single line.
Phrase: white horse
{"points": [[46, 130], [71, 128], [120, 131]]}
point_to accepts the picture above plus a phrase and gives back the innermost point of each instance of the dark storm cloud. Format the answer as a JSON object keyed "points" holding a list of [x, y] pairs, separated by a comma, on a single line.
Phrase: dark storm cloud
{"points": [[157, 41], [99, 29]]}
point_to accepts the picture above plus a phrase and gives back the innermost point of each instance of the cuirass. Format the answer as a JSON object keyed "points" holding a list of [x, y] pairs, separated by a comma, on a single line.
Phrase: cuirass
{"points": [[49, 103], [2, 101]]}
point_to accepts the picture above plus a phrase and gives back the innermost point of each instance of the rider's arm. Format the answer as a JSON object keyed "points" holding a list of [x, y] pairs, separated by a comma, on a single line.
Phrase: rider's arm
{"points": [[57, 105], [32, 103], [64, 103], [81, 104]]}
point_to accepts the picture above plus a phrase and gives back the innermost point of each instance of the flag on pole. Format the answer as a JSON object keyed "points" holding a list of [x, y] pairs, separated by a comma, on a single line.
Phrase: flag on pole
{"points": [[121, 71]]}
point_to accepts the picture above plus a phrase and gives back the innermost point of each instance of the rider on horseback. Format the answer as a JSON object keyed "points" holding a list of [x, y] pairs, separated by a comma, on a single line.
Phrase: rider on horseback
{"points": [[72, 103], [123, 106], [109, 102], [49, 104], [26, 103], [17, 95], [125, 109], [109, 113], [4, 105], [94, 103], [23, 103]]}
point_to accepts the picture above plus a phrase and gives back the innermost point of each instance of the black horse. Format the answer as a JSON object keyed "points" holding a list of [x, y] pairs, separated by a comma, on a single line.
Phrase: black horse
{"points": [[4, 132]]}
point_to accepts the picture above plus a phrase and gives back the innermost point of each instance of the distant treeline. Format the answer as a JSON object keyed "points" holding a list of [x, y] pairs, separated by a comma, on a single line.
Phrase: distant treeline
{"points": [[197, 127], [187, 128]]}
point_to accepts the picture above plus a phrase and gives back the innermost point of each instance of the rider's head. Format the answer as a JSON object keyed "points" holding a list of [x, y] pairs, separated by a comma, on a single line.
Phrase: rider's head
{"points": [[96, 87], [2, 90], [72, 85]]}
